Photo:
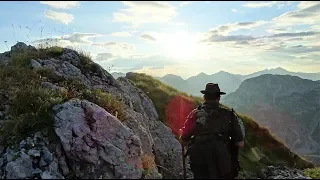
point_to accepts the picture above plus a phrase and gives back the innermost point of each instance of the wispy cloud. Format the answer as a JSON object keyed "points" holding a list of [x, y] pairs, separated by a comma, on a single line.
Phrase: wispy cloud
{"points": [[307, 13], [141, 12], [260, 4], [118, 49], [227, 28], [62, 17], [185, 3], [275, 30], [234, 10], [148, 37], [69, 39], [121, 34], [104, 57], [62, 4]]}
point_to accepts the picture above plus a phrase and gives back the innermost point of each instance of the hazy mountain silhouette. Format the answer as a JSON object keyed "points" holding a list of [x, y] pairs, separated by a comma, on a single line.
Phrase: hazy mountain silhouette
{"points": [[281, 71], [288, 106], [228, 82]]}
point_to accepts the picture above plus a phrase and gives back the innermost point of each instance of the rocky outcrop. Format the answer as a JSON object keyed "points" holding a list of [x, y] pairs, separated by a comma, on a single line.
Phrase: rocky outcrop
{"points": [[167, 148], [104, 146], [33, 158], [93, 143], [272, 172]]}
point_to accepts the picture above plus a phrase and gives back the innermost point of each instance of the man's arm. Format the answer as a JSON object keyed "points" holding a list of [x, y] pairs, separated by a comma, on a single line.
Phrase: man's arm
{"points": [[187, 130], [238, 132]]}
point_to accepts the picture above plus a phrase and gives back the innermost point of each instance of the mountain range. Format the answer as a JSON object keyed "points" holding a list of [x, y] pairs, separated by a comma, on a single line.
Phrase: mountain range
{"points": [[288, 106], [228, 82]]}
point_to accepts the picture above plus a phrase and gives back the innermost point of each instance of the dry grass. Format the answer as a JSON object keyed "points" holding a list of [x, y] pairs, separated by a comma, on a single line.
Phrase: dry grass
{"points": [[148, 162]]}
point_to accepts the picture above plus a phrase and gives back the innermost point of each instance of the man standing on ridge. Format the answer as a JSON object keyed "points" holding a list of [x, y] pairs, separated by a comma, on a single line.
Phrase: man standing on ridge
{"points": [[213, 133]]}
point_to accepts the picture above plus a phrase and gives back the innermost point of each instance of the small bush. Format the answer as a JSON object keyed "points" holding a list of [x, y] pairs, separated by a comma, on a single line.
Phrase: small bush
{"points": [[30, 112], [50, 75], [22, 59], [52, 51], [85, 57], [106, 101], [87, 65], [74, 88], [30, 104], [314, 173]]}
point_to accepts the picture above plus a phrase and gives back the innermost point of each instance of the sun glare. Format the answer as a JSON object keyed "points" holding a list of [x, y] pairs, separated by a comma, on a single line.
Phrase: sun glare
{"points": [[180, 45]]}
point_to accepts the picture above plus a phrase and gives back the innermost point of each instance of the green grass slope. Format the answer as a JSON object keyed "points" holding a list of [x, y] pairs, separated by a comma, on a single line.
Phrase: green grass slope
{"points": [[261, 148]]}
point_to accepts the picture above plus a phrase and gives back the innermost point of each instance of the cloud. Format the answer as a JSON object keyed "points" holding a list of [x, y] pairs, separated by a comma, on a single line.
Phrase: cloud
{"points": [[275, 30], [178, 23], [62, 17], [121, 34], [125, 46], [234, 10], [227, 28], [69, 40], [142, 12], [283, 44], [118, 49], [62, 4], [148, 37], [297, 34], [138, 62], [298, 49], [104, 56], [185, 3], [236, 38], [307, 13], [260, 4]]}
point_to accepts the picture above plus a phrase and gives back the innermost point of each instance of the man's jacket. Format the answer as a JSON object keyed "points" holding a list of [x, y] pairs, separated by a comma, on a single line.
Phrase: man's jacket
{"points": [[213, 118]]}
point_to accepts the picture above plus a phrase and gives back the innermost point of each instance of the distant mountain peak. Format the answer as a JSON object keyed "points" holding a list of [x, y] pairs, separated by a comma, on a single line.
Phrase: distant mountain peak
{"points": [[202, 74], [222, 71], [279, 69], [171, 75]]}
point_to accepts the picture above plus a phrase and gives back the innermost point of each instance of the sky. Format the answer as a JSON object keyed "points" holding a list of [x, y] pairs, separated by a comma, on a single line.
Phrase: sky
{"points": [[174, 37]]}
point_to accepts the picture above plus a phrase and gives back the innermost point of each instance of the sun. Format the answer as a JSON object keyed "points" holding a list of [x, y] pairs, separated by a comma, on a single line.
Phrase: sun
{"points": [[180, 45]]}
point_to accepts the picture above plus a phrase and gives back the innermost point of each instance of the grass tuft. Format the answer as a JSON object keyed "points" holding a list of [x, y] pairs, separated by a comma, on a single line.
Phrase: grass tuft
{"points": [[313, 173]]}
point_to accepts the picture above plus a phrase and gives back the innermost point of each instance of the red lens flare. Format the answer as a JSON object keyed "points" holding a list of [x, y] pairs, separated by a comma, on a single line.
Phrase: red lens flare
{"points": [[177, 111]]}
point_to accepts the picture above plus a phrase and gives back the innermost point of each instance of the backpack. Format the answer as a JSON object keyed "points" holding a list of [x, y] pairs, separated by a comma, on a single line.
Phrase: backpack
{"points": [[215, 122]]}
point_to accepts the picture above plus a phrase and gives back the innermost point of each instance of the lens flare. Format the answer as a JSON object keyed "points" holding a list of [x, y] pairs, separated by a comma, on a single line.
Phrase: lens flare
{"points": [[177, 111]]}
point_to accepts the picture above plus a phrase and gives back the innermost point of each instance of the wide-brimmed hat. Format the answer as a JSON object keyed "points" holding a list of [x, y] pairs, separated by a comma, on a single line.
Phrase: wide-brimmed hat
{"points": [[212, 88]]}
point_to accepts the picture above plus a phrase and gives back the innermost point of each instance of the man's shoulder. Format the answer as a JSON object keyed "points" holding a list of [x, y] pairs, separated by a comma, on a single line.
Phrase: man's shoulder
{"points": [[225, 110]]}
